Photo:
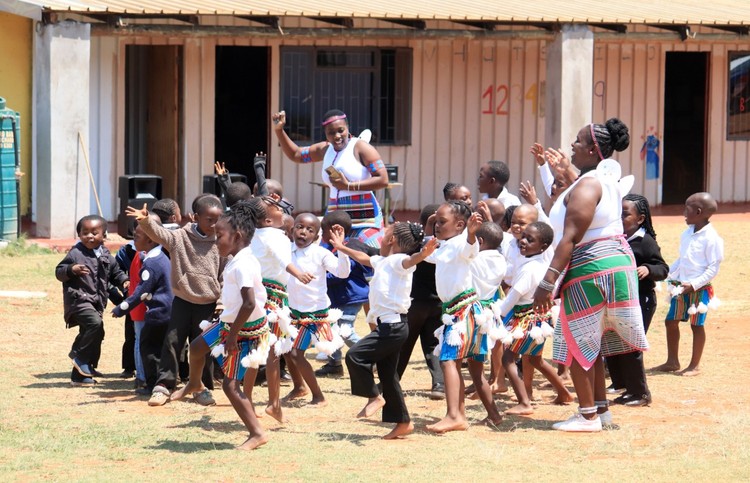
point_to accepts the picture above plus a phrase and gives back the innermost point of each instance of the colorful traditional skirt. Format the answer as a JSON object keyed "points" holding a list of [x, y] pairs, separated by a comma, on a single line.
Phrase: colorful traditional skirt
{"points": [[461, 334], [315, 328], [692, 306], [600, 311], [367, 218], [528, 330], [254, 341]]}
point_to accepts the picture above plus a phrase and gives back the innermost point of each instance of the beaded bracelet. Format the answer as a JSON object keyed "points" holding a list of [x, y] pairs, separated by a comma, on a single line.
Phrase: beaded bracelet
{"points": [[546, 286], [554, 270]]}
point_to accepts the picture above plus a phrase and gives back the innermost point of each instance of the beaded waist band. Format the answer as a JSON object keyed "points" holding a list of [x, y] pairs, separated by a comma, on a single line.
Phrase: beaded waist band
{"points": [[304, 318], [250, 329], [467, 297]]}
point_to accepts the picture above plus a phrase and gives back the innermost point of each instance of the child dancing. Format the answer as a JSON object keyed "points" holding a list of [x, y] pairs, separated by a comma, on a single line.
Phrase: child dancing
{"points": [[460, 336], [389, 301]]}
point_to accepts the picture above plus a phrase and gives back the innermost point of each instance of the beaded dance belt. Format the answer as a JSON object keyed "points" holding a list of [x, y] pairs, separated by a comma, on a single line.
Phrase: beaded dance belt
{"points": [[250, 329], [307, 318], [460, 301], [276, 294]]}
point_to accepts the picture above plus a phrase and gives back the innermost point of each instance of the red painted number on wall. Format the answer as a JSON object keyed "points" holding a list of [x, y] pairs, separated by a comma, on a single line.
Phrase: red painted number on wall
{"points": [[497, 100]]}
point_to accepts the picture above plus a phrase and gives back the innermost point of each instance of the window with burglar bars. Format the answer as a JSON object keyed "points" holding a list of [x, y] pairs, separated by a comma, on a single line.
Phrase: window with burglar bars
{"points": [[371, 85]]}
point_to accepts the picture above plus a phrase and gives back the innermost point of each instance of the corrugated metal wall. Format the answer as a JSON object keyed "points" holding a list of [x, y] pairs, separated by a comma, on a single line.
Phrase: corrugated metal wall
{"points": [[472, 101]]}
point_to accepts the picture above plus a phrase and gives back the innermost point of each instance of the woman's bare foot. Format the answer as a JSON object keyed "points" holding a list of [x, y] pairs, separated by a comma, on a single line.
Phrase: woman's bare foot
{"points": [[296, 393], [563, 398], [667, 367], [276, 414], [253, 442], [318, 402], [401, 430], [448, 424], [186, 389], [373, 405], [690, 371], [520, 410]]}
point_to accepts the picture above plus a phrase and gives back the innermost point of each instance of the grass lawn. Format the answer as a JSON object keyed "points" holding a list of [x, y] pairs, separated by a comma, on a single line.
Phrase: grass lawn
{"points": [[696, 429]]}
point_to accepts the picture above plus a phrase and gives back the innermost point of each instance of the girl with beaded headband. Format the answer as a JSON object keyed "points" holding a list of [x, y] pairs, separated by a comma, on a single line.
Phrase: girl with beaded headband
{"points": [[390, 291], [351, 169], [461, 335]]}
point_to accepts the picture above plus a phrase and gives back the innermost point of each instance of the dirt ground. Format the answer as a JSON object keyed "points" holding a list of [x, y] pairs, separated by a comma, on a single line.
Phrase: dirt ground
{"points": [[696, 428]]}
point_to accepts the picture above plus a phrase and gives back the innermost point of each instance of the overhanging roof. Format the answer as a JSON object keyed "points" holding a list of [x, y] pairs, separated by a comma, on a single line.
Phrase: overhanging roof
{"points": [[675, 12]]}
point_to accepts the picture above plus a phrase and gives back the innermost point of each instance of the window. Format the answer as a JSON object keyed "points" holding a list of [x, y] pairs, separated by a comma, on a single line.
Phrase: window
{"points": [[372, 86], [738, 118]]}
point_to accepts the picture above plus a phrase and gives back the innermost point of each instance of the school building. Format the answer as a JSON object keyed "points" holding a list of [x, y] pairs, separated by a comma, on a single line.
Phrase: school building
{"points": [[168, 88]]}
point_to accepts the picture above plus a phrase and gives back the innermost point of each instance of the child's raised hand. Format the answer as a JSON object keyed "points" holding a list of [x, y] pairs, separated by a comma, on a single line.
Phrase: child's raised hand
{"points": [[79, 270], [259, 160], [537, 151], [475, 221], [484, 210], [221, 168], [279, 120], [528, 192], [337, 236], [136, 213], [430, 247]]}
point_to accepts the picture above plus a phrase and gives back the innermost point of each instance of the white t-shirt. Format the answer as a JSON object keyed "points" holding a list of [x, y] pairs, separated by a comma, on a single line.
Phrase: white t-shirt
{"points": [[487, 272], [273, 250], [452, 261], [316, 260], [243, 270], [508, 199], [390, 288]]}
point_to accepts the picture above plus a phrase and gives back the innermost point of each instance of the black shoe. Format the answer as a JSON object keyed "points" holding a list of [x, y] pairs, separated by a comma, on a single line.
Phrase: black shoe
{"points": [[126, 374], [330, 370], [437, 392], [96, 373], [638, 401]]}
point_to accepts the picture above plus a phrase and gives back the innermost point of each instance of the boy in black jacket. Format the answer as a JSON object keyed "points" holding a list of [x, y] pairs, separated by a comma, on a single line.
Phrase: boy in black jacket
{"points": [[87, 272]]}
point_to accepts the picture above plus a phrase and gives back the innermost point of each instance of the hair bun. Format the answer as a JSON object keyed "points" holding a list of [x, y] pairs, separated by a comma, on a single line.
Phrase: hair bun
{"points": [[618, 133]]}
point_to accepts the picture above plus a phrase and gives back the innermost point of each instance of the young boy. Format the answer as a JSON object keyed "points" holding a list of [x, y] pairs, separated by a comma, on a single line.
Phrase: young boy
{"points": [[349, 294], [154, 290], [493, 176], [309, 302], [701, 253], [86, 273], [195, 270]]}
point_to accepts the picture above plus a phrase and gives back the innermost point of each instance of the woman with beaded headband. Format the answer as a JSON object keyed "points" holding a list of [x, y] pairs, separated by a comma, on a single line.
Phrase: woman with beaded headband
{"points": [[600, 312], [359, 165]]}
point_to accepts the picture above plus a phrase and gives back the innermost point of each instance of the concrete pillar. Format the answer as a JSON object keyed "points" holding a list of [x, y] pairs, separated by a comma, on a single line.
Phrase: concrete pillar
{"points": [[61, 111], [569, 96]]}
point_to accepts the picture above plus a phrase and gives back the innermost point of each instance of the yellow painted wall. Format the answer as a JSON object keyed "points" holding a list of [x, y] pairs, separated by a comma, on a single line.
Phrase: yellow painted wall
{"points": [[16, 85]]}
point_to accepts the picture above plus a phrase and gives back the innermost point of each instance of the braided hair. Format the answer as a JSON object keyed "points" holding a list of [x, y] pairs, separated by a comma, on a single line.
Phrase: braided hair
{"points": [[643, 208], [460, 209], [611, 136], [245, 216], [409, 236], [449, 189]]}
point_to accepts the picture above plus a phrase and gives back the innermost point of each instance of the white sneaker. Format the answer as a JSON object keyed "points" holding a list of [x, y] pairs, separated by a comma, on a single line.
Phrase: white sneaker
{"points": [[321, 356], [578, 424], [606, 418]]}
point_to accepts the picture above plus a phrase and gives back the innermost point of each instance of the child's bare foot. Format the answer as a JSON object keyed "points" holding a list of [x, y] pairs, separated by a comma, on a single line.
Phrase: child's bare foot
{"points": [[493, 423], [401, 430], [296, 393], [276, 414], [498, 388], [470, 389], [448, 424], [563, 398], [690, 371], [473, 396], [186, 389], [373, 405], [520, 410], [253, 442], [318, 402], [667, 367]]}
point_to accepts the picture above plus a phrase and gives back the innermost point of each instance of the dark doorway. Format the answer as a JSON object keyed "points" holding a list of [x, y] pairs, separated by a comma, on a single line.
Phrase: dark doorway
{"points": [[242, 107], [684, 125], [153, 113]]}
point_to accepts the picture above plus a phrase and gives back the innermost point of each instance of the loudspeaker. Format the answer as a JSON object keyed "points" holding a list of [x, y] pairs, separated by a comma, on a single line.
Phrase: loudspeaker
{"points": [[135, 190], [392, 170]]}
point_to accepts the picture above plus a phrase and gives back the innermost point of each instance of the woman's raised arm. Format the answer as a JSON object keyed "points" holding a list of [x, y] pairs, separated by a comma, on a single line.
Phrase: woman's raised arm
{"points": [[306, 154]]}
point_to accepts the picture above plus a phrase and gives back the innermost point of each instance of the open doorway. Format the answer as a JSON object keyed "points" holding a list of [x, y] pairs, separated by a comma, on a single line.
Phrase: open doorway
{"points": [[242, 107], [686, 84], [153, 113]]}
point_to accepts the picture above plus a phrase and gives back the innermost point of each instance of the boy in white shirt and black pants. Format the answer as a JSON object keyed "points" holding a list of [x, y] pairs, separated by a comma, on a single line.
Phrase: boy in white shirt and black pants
{"points": [[390, 291]]}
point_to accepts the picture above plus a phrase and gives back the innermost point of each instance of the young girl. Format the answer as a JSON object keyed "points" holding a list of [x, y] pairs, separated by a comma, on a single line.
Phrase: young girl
{"points": [[390, 290], [626, 370], [527, 330], [460, 335]]}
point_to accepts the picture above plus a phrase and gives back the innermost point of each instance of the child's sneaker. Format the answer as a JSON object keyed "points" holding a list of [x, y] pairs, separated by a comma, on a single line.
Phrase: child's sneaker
{"points": [[159, 396], [86, 381], [204, 398], [578, 424], [82, 368]]}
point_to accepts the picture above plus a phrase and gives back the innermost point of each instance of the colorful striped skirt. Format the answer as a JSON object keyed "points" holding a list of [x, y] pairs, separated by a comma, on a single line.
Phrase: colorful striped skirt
{"points": [[367, 218], [679, 306], [600, 311], [461, 336], [315, 328], [253, 342], [276, 300], [524, 320]]}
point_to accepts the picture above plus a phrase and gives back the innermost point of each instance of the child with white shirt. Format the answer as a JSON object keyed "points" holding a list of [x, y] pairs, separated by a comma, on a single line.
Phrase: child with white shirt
{"points": [[525, 333], [701, 253], [492, 181], [460, 336], [390, 299], [309, 303]]}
